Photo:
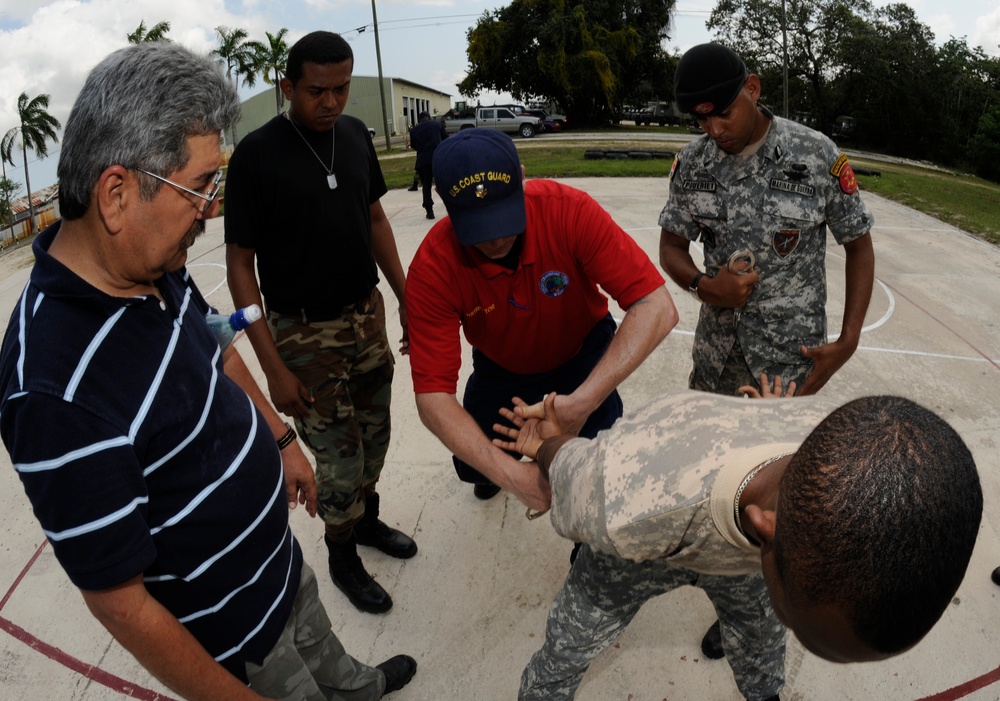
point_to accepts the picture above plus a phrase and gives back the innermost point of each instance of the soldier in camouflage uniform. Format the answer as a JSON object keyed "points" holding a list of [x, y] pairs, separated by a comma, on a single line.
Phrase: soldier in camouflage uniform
{"points": [[302, 201], [769, 188], [694, 489], [759, 183]]}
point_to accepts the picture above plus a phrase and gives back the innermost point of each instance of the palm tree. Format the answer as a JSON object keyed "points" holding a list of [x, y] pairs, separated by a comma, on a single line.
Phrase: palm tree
{"points": [[273, 56], [36, 129], [158, 32], [8, 188], [240, 56]]}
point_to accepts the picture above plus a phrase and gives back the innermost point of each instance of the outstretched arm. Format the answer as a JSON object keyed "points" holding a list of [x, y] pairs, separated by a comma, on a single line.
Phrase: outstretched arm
{"points": [[446, 419], [647, 322]]}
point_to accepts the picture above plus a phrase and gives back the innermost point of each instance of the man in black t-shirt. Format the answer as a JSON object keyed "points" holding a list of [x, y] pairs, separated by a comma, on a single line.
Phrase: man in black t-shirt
{"points": [[302, 200]]}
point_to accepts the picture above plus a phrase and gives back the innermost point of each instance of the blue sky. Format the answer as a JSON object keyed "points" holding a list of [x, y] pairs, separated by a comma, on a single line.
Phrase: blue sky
{"points": [[50, 46]]}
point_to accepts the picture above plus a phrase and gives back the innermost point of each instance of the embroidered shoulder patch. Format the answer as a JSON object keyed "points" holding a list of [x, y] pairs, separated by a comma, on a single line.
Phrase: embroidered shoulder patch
{"points": [[673, 168], [838, 165], [845, 174]]}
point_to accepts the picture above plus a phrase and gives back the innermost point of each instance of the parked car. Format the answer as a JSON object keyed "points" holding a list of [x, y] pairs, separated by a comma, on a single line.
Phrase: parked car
{"points": [[499, 118], [661, 113], [557, 119]]}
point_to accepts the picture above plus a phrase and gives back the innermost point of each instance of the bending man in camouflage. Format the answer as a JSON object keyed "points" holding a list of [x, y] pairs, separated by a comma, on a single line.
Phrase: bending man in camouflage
{"points": [[760, 504]]}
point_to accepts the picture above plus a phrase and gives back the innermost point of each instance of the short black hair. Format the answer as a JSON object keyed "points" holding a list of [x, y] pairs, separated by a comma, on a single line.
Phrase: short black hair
{"points": [[877, 514], [317, 47]]}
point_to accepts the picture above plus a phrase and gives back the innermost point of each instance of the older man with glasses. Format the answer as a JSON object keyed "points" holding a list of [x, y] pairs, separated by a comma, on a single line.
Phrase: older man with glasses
{"points": [[165, 490]]}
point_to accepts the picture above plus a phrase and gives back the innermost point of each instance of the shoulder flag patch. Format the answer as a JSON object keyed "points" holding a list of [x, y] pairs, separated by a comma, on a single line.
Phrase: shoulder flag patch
{"points": [[842, 170]]}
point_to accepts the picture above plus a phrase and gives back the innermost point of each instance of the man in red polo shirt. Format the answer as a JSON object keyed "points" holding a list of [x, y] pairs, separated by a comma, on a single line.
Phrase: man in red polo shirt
{"points": [[517, 266]]}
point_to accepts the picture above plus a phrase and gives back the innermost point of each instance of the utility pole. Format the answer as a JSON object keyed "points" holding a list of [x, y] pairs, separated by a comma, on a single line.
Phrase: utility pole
{"points": [[784, 48], [381, 84]]}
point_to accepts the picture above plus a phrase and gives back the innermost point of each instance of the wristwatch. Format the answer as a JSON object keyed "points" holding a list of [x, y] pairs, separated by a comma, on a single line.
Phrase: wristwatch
{"points": [[693, 287]]}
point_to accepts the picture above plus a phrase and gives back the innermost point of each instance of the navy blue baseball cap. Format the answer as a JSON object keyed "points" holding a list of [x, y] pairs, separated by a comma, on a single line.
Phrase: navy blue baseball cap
{"points": [[478, 175]]}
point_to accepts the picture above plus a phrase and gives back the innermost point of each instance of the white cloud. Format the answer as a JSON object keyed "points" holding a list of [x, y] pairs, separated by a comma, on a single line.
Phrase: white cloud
{"points": [[987, 33]]}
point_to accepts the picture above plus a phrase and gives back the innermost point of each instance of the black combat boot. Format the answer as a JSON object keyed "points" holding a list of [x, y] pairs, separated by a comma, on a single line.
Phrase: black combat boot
{"points": [[398, 671], [349, 575], [711, 644], [374, 533]]}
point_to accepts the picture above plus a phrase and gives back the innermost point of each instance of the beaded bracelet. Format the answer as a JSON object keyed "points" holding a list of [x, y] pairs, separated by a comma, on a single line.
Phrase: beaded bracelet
{"points": [[287, 439]]}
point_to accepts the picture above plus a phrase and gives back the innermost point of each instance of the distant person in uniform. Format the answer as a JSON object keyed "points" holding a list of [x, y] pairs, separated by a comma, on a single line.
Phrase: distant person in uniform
{"points": [[425, 137]]}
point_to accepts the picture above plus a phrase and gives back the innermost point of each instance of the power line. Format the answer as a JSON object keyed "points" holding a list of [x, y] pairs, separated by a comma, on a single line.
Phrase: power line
{"points": [[432, 21]]}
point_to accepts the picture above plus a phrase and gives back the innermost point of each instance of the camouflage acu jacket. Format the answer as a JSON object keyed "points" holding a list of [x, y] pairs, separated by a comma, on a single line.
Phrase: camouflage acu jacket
{"points": [[777, 203], [660, 484]]}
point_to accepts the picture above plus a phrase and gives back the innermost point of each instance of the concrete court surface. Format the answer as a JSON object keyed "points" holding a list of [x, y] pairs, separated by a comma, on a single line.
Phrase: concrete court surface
{"points": [[471, 606]]}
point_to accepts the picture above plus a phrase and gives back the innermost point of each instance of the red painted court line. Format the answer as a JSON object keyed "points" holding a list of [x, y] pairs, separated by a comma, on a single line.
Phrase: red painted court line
{"points": [[113, 682], [967, 688], [89, 671], [20, 576]]}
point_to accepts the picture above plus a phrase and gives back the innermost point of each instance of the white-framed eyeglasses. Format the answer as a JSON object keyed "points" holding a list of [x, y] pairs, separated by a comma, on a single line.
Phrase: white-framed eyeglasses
{"points": [[208, 197]]}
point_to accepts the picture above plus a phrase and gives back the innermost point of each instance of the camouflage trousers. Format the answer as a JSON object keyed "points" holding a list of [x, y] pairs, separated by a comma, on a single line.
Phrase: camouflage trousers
{"points": [[736, 373], [347, 366], [604, 592], [308, 663]]}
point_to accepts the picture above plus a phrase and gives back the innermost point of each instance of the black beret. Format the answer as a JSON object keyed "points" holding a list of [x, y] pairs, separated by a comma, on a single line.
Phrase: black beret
{"points": [[708, 79]]}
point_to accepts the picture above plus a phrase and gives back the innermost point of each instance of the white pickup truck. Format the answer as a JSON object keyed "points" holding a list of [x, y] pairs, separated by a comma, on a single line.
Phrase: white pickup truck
{"points": [[502, 118]]}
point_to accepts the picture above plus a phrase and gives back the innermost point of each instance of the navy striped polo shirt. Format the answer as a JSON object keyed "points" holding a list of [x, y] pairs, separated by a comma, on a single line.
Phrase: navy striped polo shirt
{"points": [[140, 456]]}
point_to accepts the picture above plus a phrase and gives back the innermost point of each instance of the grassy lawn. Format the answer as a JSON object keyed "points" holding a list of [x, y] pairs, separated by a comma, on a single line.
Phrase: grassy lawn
{"points": [[966, 202], [969, 203]]}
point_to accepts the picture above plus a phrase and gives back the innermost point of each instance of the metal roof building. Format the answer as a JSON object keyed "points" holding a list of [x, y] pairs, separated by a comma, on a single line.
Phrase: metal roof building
{"points": [[404, 101]]}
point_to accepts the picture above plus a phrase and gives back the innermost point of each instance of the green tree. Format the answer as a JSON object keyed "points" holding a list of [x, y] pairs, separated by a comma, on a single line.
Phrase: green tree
{"points": [[984, 147], [8, 188], [816, 31], [37, 128], [270, 59], [239, 54], [158, 32], [589, 57]]}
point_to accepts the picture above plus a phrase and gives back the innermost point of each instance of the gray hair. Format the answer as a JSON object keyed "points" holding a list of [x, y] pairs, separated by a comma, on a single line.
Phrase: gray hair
{"points": [[137, 109]]}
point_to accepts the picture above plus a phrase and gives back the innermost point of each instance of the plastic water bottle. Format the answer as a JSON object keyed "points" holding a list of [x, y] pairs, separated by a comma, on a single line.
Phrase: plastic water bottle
{"points": [[225, 327]]}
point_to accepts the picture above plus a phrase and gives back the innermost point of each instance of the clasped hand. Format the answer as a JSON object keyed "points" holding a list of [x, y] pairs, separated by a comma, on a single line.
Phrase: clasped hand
{"points": [[536, 423], [727, 289]]}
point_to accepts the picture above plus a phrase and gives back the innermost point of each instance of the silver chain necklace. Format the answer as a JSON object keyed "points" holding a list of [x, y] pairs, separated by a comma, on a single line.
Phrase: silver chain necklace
{"points": [[331, 178], [743, 485]]}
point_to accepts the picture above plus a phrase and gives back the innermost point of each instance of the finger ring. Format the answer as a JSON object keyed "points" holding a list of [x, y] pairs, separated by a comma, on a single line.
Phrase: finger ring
{"points": [[741, 262], [531, 514]]}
